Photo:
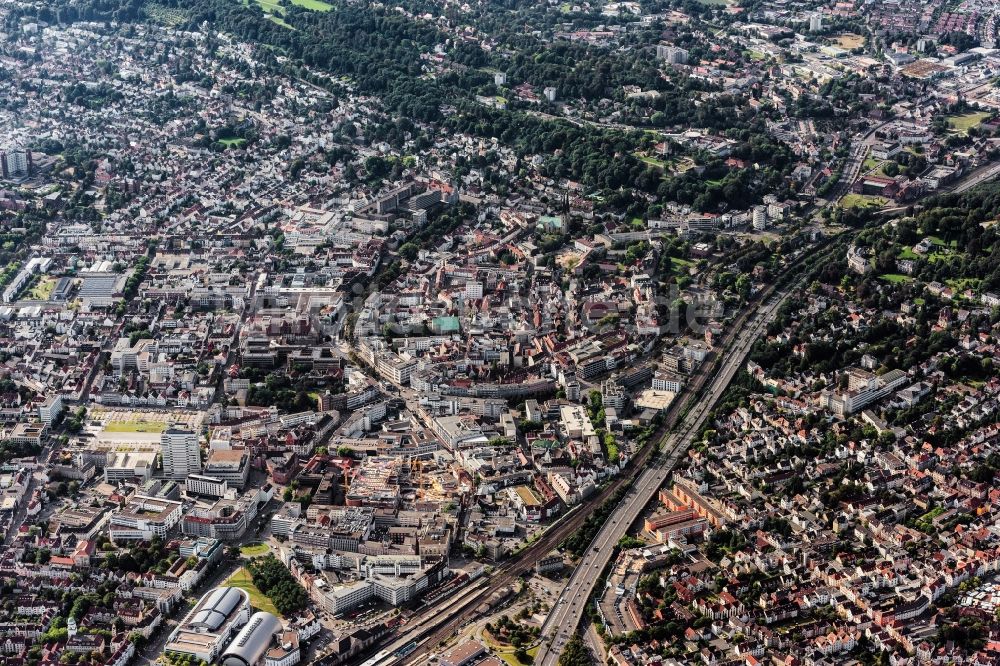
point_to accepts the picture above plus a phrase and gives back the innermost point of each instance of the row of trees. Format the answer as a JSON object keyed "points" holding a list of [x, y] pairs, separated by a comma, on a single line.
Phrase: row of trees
{"points": [[275, 580], [576, 543]]}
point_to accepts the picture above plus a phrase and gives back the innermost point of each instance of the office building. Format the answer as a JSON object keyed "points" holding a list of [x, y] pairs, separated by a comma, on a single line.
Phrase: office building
{"points": [[50, 410], [232, 466], [143, 518], [181, 453]]}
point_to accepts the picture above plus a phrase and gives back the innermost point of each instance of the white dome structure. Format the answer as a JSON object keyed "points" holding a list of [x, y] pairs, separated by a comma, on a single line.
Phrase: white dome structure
{"points": [[253, 640]]}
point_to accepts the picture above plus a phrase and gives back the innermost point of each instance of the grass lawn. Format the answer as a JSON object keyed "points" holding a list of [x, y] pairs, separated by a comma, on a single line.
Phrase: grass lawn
{"points": [[935, 257], [43, 289], [931, 515], [963, 123], [233, 142], [862, 201], [681, 263], [271, 6], [509, 657], [255, 550], [918, 301], [258, 600], [870, 163], [136, 426], [908, 253], [315, 5], [895, 278], [274, 12], [755, 55], [506, 652], [849, 40], [961, 284], [275, 8], [652, 161]]}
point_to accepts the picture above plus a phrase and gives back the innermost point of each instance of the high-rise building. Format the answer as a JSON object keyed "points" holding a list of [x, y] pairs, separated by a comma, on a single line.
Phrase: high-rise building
{"points": [[181, 453], [674, 55], [760, 218], [815, 22], [50, 410], [15, 163], [473, 290]]}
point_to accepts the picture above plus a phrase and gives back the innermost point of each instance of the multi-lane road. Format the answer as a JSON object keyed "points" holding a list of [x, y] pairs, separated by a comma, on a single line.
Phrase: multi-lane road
{"points": [[565, 617], [440, 621]]}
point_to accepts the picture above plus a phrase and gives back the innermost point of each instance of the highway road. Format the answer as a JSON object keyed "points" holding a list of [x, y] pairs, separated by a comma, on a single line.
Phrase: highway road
{"points": [[443, 620], [565, 617]]}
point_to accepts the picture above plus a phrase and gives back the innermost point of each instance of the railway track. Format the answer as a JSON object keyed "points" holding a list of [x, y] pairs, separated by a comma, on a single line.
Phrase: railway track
{"points": [[437, 624]]}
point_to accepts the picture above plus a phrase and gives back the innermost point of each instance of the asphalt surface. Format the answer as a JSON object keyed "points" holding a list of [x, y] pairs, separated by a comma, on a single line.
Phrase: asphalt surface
{"points": [[977, 178], [564, 619], [440, 622]]}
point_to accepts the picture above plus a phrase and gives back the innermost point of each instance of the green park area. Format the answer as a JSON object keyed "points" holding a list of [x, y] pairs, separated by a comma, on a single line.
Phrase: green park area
{"points": [[254, 550], [42, 289], [510, 658], [233, 142], [966, 121], [315, 5], [895, 278], [277, 7], [870, 163], [508, 653], [862, 201], [652, 161], [942, 251], [258, 599]]}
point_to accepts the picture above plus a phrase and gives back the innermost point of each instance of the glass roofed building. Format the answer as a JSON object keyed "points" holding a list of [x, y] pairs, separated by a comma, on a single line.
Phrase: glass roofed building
{"points": [[207, 628]]}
